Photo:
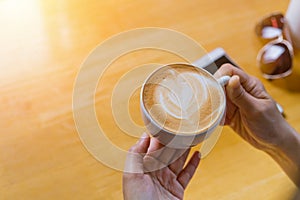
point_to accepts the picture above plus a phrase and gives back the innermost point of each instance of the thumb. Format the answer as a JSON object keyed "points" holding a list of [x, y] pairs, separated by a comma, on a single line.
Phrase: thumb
{"points": [[134, 159], [237, 94]]}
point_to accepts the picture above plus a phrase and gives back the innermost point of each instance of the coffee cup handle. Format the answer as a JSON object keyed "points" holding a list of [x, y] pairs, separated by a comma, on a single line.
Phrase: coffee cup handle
{"points": [[223, 80]]}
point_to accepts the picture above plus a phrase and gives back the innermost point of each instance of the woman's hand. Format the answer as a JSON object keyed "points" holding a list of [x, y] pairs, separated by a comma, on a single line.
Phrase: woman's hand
{"points": [[153, 171], [253, 114]]}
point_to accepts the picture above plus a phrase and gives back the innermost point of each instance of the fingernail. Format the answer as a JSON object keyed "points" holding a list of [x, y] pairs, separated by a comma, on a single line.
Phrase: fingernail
{"points": [[144, 135], [199, 155]]}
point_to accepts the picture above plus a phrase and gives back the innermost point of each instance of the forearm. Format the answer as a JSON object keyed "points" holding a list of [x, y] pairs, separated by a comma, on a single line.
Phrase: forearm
{"points": [[287, 152]]}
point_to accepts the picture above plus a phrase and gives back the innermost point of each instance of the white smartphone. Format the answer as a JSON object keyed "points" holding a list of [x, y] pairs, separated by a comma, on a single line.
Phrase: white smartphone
{"points": [[213, 60]]}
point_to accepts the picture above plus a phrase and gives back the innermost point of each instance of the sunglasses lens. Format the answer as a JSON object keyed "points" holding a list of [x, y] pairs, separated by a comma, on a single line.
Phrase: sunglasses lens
{"points": [[270, 27], [275, 61], [270, 32]]}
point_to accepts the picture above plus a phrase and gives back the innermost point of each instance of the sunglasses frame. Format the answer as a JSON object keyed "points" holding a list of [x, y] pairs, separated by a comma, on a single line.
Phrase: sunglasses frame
{"points": [[282, 39]]}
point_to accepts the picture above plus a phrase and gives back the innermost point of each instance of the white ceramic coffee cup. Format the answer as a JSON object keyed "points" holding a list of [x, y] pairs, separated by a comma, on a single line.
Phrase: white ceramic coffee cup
{"points": [[177, 139]]}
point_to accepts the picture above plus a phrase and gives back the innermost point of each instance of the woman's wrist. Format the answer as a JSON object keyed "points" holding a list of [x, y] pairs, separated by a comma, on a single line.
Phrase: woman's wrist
{"points": [[286, 151]]}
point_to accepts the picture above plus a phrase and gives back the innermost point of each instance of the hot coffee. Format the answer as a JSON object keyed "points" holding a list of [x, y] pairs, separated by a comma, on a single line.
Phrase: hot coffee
{"points": [[183, 99]]}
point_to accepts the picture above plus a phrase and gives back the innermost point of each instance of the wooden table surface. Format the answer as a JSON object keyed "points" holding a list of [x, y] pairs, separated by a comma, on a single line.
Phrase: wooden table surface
{"points": [[44, 43]]}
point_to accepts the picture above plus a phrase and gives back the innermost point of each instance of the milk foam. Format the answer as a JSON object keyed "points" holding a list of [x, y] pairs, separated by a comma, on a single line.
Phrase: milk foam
{"points": [[188, 99], [182, 95]]}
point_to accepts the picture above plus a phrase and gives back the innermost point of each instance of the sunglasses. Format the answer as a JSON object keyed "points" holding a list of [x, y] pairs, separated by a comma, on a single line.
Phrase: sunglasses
{"points": [[275, 59]]}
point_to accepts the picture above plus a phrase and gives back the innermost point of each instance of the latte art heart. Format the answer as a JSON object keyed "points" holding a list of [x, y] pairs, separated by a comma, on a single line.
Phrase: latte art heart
{"points": [[186, 100], [182, 95]]}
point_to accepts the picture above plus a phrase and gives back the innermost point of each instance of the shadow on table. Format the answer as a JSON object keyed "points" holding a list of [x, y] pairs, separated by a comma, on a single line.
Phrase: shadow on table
{"points": [[290, 83]]}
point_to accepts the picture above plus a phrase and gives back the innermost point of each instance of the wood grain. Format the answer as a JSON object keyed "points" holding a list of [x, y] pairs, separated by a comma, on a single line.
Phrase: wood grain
{"points": [[44, 43]]}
